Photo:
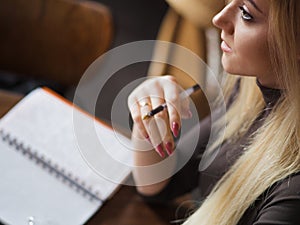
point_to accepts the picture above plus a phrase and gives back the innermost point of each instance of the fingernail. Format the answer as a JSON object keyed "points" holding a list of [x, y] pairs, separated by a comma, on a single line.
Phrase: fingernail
{"points": [[148, 139], [169, 148], [160, 151], [175, 129]]}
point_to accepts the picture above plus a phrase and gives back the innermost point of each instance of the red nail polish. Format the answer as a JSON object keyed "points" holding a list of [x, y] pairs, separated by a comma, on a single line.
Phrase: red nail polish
{"points": [[175, 129], [169, 148], [148, 138], [160, 151]]}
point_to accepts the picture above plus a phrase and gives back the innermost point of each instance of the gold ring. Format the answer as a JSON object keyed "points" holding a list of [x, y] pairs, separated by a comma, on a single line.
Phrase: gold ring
{"points": [[143, 104]]}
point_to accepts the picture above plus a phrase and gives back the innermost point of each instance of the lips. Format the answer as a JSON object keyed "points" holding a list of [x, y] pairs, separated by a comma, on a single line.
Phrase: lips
{"points": [[225, 47]]}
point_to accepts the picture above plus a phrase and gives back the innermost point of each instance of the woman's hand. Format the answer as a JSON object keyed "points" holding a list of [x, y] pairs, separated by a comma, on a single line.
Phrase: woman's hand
{"points": [[158, 130]]}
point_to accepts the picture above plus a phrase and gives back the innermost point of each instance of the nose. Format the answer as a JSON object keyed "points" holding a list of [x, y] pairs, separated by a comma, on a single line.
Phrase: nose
{"points": [[224, 20]]}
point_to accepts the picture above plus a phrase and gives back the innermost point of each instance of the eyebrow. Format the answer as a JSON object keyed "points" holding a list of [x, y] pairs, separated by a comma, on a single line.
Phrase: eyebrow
{"points": [[254, 5]]}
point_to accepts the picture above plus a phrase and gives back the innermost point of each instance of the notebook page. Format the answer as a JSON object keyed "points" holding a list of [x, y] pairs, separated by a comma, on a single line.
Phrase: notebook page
{"points": [[46, 124], [28, 191]]}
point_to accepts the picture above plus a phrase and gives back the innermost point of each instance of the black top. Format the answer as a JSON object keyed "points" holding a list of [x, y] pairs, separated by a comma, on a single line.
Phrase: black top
{"points": [[280, 204]]}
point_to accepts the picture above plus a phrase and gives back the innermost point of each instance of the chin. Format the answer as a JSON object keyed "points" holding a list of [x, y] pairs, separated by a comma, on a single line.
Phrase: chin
{"points": [[229, 67], [233, 68]]}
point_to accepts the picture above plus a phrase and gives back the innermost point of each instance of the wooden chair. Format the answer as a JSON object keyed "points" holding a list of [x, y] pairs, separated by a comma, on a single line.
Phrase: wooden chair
{"points": [[54, 40], [186, 23]]}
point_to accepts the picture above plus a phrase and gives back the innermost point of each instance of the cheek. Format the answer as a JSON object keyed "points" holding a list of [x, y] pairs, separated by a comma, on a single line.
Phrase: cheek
{"points": [[253, 52]]}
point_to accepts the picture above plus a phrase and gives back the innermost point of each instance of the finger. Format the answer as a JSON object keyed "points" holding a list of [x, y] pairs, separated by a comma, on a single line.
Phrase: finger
{"points": [[173, 105], [162, 123], [169, 143], [134, 108], [152, 128], [155, 137], [145, 107]]}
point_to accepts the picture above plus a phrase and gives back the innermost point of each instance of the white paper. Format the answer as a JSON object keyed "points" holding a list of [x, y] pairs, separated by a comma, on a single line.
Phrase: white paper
{"points": [[46, 124]]}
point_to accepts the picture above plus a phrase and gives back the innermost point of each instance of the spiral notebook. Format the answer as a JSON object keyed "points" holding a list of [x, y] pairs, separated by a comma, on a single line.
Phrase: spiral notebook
{"points": [[50, 173]]}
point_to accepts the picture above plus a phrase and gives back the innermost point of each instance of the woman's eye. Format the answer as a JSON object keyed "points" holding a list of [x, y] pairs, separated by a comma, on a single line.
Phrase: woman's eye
{"points": [[245, 15]]}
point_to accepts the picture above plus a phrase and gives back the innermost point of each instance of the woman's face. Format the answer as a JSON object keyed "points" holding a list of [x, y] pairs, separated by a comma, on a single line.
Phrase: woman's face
{"points": [[244, 25]]}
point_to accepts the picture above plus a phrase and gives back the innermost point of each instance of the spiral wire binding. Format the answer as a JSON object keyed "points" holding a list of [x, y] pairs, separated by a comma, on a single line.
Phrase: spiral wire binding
{"points": [[74, 183]]}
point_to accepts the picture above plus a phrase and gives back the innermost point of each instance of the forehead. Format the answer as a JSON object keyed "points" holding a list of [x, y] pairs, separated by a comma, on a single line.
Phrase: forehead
{"points": [[263, 5]]}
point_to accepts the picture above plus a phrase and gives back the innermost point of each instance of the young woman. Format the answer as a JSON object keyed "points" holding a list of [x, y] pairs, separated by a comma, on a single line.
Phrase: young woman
{"points": [[255, 177]]}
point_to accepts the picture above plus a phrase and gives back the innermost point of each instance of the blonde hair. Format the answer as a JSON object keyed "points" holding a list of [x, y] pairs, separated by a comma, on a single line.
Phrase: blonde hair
{"points": [[274, 151]]}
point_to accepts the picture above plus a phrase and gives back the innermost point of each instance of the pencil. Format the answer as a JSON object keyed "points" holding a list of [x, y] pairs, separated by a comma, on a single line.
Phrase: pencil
{"points": [[160, 108]]}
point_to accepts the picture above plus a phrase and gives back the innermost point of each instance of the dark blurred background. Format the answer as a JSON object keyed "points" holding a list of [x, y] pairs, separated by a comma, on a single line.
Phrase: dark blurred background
{"points": [[133, 20]]}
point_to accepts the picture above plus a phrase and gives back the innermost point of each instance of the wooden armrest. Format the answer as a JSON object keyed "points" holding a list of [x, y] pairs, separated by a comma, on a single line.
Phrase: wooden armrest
{"points": [[8, 100]]}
